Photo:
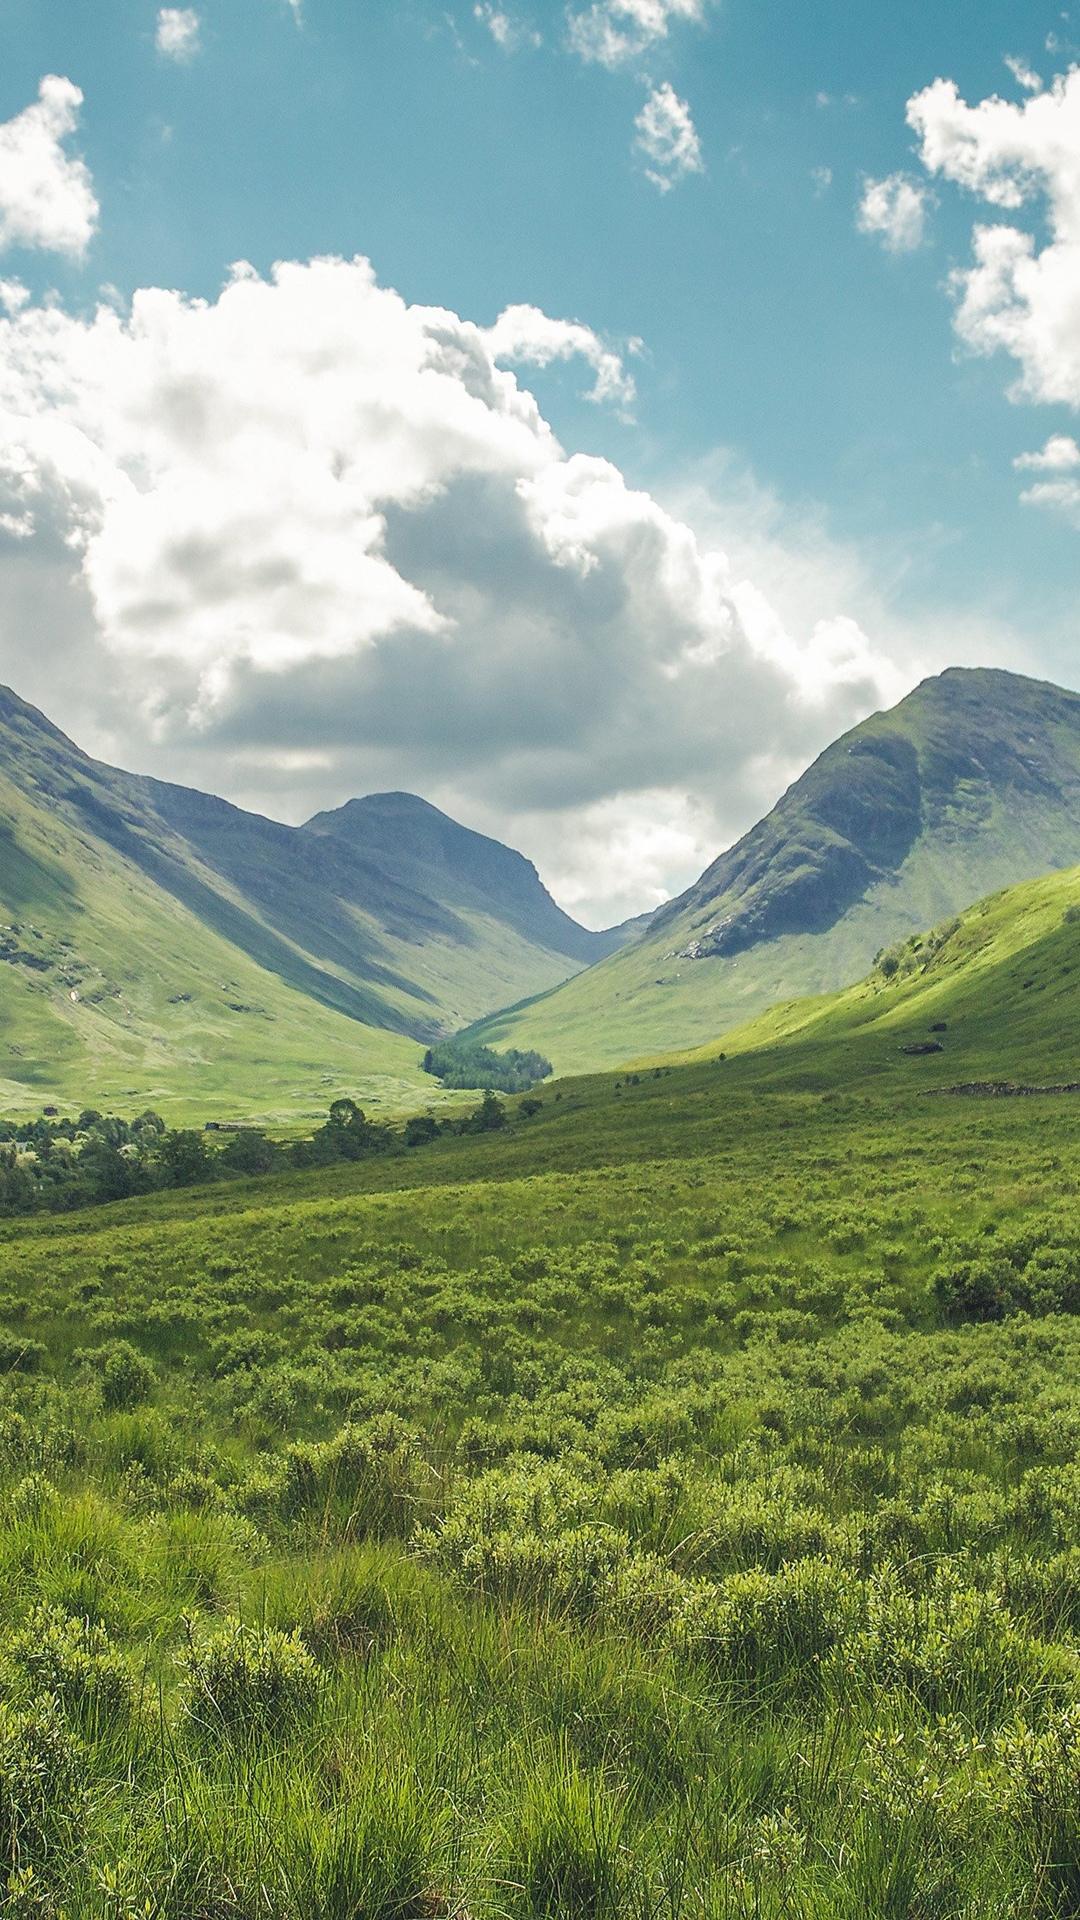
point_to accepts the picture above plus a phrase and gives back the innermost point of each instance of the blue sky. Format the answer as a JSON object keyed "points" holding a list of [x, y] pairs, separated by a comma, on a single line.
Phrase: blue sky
{"points": [[801, 392]]}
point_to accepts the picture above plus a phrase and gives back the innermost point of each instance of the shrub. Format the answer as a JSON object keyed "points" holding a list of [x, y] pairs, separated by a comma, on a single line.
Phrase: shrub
{"points": [[1043, 1767], [42, 1782], [20, 1355], [127, 1376], [757, 1626], [249, 1680], [370, 1476], [76, 1662]]}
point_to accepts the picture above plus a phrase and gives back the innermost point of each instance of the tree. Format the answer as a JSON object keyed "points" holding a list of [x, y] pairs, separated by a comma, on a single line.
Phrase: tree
{"points": [[347, 1135], [490, 1115], [184, 1158], [249, 1151], [105, 1173]]}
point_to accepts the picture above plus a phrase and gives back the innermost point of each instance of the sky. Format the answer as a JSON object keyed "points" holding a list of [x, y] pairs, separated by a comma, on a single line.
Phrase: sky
{"points": [[576, 413]]}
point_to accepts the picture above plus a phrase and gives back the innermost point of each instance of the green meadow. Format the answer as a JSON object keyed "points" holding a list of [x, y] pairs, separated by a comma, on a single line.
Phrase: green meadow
{"points": [[665, 1505]]}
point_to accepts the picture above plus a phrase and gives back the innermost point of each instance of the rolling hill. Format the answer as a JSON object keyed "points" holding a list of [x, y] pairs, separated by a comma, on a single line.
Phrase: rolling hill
{"points": [[161, 944], [971, 783], [988, 1000]]}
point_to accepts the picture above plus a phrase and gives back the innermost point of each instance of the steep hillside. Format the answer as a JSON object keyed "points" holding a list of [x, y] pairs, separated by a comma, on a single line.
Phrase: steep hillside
{"points": [[971, 783], [113, 992], [162, 943]]}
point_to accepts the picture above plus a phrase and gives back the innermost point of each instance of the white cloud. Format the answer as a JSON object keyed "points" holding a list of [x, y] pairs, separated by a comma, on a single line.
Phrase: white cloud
{"points": [[1055, 496], [667, 139], [526, 337], [894, 209], [1021, 295], [1058, 455], [177, 35], [1023, 74], [46, 195], [325, 538], [507, 33], [822, 178], [613, 32]]}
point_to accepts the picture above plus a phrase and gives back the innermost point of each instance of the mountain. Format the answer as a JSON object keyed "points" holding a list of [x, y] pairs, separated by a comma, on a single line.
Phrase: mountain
{"points": [[432, 853], [160, 942], [971, 783]]}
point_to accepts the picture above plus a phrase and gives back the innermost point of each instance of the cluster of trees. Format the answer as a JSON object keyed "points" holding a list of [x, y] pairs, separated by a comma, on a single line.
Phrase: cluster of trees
{"points": [[57, 1165], [464, 1063]]}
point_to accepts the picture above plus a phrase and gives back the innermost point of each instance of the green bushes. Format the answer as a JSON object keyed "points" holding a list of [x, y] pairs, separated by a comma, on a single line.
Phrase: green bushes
{"points": [[1025, 1273], [75, 1663], [245, 1679], [43, 1785], [127, 1376], [756, 1627]]}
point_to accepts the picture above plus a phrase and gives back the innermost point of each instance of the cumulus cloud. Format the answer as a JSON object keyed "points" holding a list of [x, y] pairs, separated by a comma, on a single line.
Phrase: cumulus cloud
{"points": [[1058, 455], [177, 34], [529, 338], [667, 138], [894, 209], [612, 32], [1021, 295], [46, 194], [324, 538]]}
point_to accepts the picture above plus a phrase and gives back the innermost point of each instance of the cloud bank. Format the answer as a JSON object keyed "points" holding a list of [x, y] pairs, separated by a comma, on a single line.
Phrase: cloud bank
{"points": [[324, 538]]}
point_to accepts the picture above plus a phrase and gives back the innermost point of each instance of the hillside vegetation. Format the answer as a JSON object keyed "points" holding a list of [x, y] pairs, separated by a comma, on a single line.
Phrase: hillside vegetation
{"points": [[666, 1504], [971, 783], [159, 945]]}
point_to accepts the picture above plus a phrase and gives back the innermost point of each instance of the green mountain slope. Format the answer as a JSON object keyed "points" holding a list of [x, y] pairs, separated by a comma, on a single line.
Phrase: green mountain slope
{"points": [[989, 998], [159, 943], [971, 783]]}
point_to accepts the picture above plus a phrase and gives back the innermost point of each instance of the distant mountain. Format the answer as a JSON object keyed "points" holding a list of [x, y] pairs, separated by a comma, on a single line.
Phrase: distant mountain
{"points": [[162, 941], [970, 784], [431, 853]]}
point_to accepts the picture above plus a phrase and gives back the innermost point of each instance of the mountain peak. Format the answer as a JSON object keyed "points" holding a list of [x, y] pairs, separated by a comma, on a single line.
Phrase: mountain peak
{"points": [[475, 870]]}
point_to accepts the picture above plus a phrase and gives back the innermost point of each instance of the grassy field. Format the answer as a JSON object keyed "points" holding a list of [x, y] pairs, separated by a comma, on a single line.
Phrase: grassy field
{"points": [[665, 1507]]}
